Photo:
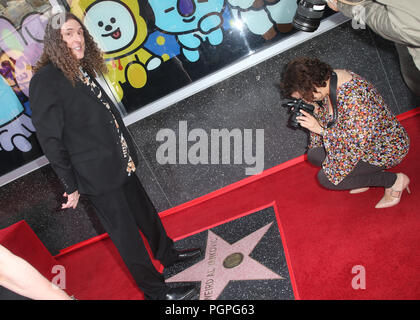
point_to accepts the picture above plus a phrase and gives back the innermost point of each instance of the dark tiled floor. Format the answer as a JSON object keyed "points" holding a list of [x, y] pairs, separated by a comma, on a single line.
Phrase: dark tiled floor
{"points": [[249, 100]]}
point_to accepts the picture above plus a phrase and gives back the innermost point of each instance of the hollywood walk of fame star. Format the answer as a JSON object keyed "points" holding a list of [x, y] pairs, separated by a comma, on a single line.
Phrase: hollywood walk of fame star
{"points": [[224, 262]]}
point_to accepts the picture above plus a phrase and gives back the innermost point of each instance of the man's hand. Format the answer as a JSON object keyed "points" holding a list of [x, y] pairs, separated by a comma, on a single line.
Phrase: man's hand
{"points": [[72, 200]]}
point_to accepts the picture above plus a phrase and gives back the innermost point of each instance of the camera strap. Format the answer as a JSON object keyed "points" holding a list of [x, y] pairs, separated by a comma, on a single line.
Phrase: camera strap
{"points": [[333, 98]]}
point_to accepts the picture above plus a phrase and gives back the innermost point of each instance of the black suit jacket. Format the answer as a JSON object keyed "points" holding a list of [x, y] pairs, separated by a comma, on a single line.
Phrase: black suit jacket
{"points": [[77, 133]]}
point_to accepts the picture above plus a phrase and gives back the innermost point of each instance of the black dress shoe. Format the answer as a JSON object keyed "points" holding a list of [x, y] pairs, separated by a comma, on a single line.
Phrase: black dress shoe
{"points": [[180, 293], [188, 254]]}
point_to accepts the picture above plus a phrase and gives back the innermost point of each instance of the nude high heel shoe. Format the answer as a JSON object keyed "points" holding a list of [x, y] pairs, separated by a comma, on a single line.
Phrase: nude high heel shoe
{"points": [[392, 195], [359, 190]]}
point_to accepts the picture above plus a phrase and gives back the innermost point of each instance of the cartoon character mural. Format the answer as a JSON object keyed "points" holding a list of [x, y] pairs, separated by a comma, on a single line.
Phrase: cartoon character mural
{"points": [[120, 32], [182, 26], [192, 21], [22, 50], [15, 125], [265, 17]]}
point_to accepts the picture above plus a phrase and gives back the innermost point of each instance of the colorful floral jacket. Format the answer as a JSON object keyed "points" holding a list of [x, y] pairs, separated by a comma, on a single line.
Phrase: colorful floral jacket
{"points": [[365, 130]]}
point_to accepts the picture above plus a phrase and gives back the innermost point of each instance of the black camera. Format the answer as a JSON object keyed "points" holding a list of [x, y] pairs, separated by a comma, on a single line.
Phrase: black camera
{"points": [[309, 14], [296, 105]]}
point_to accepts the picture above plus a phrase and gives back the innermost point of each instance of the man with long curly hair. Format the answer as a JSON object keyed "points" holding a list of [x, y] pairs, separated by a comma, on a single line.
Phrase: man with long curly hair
{"points": [[87, 144]]}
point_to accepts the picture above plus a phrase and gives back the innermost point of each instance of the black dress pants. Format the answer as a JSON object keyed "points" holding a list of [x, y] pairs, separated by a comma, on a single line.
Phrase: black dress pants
{"points": [[363, 175], [122, 213]]}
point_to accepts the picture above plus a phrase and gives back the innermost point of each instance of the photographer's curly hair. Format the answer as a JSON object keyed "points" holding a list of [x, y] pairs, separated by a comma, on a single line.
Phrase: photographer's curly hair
{"points": [[56, 51], [303, 75]]}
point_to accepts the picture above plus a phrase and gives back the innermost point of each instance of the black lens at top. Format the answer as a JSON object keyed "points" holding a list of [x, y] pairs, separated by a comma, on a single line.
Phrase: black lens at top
{"points": [[308, 15]]}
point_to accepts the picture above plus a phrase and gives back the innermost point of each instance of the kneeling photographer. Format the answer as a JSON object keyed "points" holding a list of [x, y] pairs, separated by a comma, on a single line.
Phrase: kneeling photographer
{"points": [[354, 136]]}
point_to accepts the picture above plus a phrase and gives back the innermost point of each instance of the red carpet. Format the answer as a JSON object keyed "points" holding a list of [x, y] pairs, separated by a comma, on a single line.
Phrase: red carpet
{"points": [[22, 241], [325, 234]]}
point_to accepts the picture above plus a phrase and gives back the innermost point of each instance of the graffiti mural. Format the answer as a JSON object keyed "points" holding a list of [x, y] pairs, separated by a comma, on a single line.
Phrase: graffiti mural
{"points": [[21, 50], [265, 17], [151, 48], [15, 125], [192, 21], [120, 31]]}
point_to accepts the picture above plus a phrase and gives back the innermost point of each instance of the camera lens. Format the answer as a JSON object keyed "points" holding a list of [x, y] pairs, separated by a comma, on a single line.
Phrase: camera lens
{"points": [[308, 15]]}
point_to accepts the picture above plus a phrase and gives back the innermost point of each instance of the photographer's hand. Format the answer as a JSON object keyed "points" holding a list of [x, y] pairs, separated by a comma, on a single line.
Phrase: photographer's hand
{"points": [[309, 122]]}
